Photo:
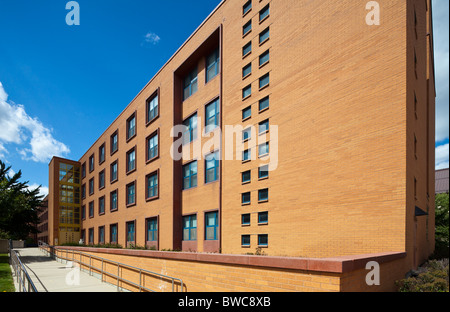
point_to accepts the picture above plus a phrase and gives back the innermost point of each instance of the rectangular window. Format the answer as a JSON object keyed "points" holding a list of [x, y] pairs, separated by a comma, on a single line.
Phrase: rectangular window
{"points": [[114, 202], [247, 91], [91, 163], [152, 107], [91, 236], [245, 240], [101, 179], [247, 28], [264, 81], [131, 127], [247, 49], [131, 160], [101, 154], [264, 13], [263, 217], [264, 35], [263, 149], [263, 126], [246, 155], [131, 194], [247, 134], [190, 228], [131, 232], [83, 191], [246, 176], [190, 133], [190, 85], [212, 167], [247, 7], [152, 146], [247, 70], [152, 185], [246, 113], [114, 170], [91, 209], [83, 170], [264, 103], [212, 115], [190, 175], [263, 195], [114, 142], [152, 229], [245, 198], [212, 65], [91, 186], [263, 240], [245, 219], [263, 172], [264, 58], [101, 205], [113, 233], [83, 212], [101, 234], [211, 225]]}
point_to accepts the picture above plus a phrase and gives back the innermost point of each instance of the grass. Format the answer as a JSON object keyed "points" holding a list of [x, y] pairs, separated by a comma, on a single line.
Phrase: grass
{"points": [[6, 280]]}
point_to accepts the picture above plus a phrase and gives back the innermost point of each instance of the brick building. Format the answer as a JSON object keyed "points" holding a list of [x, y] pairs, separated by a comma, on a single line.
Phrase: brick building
{"points": [[332, 152]]}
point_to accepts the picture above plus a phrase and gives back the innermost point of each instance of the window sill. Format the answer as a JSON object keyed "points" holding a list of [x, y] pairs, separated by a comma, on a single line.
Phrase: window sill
{"points": [[263, 110], [131, 171], [114, 210], [152, 159], [246, 76], [264, 64], [263, 155], [246, 34], [114, 181], [246, 13], [131, 138], [246, 118], [265, 18], [245, 246], [247, 54], [263, 246], [263, 201], [246, 182], [151, 121], [263, 223], [245, 204], [263, 87], [245, 98], [264, 41], [149, 199], [264, 178], [113, 152], [245, 225], [131, 205]]}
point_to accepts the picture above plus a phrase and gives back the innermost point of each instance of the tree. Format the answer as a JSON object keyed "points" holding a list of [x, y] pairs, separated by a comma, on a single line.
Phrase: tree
{"points": [[19, 206], [442, 226]]}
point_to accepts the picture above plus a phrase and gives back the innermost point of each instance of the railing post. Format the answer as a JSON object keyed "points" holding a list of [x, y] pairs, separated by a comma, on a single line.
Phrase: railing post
{"points": [[102, 270], [118, 267], [140, 280]]}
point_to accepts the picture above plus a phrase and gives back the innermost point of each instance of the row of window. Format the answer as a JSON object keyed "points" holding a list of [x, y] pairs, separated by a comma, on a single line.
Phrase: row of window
{"points": [[211, 171], [263, 240], [263, 196], [263, 218]]}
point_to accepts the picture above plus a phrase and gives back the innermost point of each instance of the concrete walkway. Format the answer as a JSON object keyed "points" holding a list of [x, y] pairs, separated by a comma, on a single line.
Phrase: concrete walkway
{"points": [[49, 275]]}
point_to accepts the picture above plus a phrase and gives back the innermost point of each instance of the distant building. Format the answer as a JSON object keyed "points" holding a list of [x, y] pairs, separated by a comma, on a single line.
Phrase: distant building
{"points": [[441, 181], [43, 222]]}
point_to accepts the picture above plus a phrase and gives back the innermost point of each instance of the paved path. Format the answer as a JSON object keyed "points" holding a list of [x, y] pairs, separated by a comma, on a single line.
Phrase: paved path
{"points": [[49, 275]]}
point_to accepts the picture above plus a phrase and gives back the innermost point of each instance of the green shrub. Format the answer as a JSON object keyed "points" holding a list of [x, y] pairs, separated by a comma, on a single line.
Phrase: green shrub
{"points": [[432, 277]]}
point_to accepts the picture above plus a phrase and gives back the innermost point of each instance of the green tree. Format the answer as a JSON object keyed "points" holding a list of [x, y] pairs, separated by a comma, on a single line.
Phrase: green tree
{"points": [[442, 226], [19, 206]]}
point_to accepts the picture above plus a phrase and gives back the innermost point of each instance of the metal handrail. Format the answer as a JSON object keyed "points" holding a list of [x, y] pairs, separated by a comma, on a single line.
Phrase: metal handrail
{"points": [[89, 265], [22, 277]]}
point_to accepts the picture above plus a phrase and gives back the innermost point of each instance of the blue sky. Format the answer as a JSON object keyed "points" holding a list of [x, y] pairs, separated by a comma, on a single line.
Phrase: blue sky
{"points": [[61, 86]]}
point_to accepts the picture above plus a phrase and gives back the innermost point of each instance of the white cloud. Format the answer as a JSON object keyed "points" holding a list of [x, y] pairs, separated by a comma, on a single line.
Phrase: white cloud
{"points": [[151, 38], [42, 191], [442, 155], [19, 128]]}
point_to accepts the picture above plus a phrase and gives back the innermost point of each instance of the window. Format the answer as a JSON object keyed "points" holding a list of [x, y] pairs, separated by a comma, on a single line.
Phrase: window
{"points": [[246, 176], [101, 154], [83, 212], [264, 104], [190, 133], [91, 236], [211, 225], [131, 231], [113, 233], [152, 229], [91, 186], [152, 146], [246, 198], [131, 160], [212, 167], [264, 58], [113, 201], [114, 170], [91, 209], [101, 179], [245, 240], [247, 28], [114, 142], [212, 65], [247, 70], [247, 134], [245, 219], [131, 127], [247, 49], [101, 205], [190, 84], [101, 234], [83, 191], [212, 115], [264, 81], [153, 107], [263, 195], [263, 217], [263, 149], [264, 13], [131, 194], [152, 185], [247, 91], [190, 228], [263, 240], [264, 35], [190, 175], [263, 126], [246, 113], [91, 163], [246, 155], [83, 170], [247, 7], [263, 172]]}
